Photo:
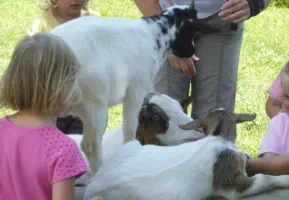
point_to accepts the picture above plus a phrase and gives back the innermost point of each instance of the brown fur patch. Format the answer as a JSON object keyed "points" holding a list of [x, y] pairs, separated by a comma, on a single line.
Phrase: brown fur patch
{"points": [[229, 172]]}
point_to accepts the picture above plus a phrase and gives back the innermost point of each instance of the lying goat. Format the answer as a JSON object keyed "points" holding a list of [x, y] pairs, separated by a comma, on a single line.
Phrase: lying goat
{"points": [[159, 120], [211, 166], [120, 58]]}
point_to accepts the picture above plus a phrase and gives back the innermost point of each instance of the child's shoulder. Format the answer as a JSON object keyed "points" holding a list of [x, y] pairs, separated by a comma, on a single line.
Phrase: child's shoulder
{"points": [[57, 144], [54, 136], [281, 119]]}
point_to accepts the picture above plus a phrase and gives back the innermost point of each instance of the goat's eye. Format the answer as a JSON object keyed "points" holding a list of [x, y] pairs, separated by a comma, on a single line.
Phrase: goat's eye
{"points": [[156, 118]]}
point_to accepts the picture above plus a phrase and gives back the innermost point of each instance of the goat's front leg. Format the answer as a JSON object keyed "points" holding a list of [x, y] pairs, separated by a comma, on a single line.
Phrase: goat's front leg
{"points": [[131, 107], [94, 123], [261, 183]]}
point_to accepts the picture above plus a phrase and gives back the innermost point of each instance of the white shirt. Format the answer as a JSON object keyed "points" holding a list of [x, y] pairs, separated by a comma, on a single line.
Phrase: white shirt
{"points": [[205, 8]]}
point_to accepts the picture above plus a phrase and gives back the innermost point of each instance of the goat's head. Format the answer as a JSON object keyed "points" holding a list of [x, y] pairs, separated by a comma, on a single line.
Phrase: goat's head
{"points": [[155, 118], [220, 122], [185, 19]]}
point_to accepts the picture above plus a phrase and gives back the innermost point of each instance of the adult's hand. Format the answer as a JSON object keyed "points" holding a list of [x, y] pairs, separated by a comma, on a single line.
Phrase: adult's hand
{"points": [[235, 11], [185, 64]]}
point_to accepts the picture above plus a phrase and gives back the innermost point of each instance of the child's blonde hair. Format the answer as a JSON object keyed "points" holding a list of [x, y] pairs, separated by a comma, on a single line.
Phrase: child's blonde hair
{"points": [[41, 76], [49, 4]]}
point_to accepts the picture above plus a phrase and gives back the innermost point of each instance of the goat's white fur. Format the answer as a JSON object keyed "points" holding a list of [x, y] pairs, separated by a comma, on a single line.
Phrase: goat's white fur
{"points": [[120, 58], [183, 172]]}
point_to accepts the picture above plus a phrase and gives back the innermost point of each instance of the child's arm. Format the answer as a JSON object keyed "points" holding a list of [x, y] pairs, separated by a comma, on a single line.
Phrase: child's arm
{"points": [[63, 190], [271, 165]]}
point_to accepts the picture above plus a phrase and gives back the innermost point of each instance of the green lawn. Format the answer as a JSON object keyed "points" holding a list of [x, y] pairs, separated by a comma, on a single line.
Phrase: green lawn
{"points": [[264, 51]]}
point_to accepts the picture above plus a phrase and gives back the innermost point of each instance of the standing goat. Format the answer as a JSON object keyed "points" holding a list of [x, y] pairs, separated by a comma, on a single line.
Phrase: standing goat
{"points": [[211, 166], [120, 58]]}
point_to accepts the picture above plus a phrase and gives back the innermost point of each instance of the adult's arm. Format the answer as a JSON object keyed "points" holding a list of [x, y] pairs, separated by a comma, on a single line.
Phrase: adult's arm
{"points": [[148, 7]]}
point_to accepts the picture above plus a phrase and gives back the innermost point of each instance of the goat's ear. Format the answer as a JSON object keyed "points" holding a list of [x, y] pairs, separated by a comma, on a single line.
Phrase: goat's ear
{"points": [[192, 6], [209, 126], [209, 123], [186, 102], [203, 27], [183, 46], [239, 118], [192, 125]]}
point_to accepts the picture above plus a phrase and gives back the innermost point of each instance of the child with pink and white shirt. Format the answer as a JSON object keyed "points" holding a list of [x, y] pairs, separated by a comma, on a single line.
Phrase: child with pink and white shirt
{"points": [[37, 161], [274, 151]]}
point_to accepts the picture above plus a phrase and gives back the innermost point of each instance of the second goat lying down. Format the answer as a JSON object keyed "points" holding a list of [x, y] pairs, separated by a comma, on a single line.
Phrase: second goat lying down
{"points": [[211, 166], [120, 58], [159, 120]]}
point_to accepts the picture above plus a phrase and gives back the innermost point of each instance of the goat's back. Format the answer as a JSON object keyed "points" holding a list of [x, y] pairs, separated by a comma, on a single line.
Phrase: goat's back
{"points": [[152, 172], [106, 40], [114, 54]]}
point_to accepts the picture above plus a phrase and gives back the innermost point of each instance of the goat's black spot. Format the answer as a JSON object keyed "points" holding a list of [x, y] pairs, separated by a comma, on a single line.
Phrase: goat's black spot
{"points": [[159, 44], [163, 28]]}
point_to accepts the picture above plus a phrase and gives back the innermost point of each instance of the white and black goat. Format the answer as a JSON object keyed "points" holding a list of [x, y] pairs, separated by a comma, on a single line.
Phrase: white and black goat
{"points": [[209, 167], [120, 58]]}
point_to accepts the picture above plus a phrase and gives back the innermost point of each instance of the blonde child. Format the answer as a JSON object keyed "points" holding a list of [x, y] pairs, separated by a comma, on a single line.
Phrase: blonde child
{"points": [[55, 12], [37, 161], [274, 152]]}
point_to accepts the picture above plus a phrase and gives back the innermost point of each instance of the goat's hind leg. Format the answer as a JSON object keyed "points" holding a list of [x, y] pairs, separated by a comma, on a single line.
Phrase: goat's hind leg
{"points": [[262, 183], [94, 120]]}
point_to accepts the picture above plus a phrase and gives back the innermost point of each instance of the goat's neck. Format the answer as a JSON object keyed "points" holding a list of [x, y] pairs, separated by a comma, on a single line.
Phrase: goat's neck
{"points": [[225, 131], [163, 33]]}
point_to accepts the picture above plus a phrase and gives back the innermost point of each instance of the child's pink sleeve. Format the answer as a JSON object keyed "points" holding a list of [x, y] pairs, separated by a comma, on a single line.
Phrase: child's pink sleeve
{"points": [[275, 89], [67, 162], [272, 142]]}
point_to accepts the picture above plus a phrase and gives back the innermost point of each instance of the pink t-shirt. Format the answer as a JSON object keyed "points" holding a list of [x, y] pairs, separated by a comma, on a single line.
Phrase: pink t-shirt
{"points": [[275, 89], [276, 139], [32, 159]]}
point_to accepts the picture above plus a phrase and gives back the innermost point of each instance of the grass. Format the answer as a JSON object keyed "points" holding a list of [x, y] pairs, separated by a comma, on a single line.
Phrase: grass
{"points": [[264, 51]]}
